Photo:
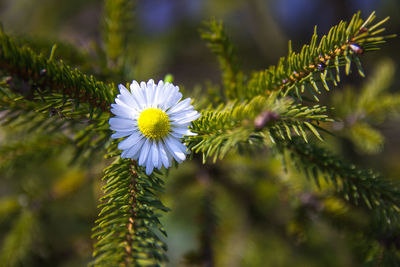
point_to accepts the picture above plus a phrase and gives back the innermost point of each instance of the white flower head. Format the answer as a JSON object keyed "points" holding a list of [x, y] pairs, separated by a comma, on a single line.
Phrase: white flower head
{"points": [[155, 121]]}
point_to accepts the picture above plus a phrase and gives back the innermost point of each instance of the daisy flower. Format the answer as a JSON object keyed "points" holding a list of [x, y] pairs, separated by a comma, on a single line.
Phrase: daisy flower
{"points": [[154, 120]]}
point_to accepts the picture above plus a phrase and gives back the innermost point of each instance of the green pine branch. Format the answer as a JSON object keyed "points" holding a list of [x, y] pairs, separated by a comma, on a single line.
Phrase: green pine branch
{"points": [[359, 186], [19, 242], [117, 32], [128, 228], [297, 120], [220, 44], [377, 86], [382, 254], [69, 53], [51, 113], [253, 123], [360, 112], [39, 72], [318, 65], [48, 95], [361, 104], [14, 154]]}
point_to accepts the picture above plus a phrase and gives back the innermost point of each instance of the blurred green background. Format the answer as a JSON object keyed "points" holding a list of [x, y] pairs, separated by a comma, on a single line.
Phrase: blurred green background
{"points": [[244, 211]]}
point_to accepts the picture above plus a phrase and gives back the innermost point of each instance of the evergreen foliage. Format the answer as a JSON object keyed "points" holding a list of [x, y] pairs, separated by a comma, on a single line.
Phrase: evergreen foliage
{"points": [[360, 113], [319, 63], [117, 34], [250, 122], [358, 186], [220, 44], [273, 109], [128, 229], [19, 240], [38, 72]]}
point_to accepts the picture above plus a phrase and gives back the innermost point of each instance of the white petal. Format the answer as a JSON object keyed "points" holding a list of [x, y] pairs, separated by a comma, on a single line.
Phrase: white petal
{"points": [[150, 92], [181, 112], [143, 88], [170, 158], [117, 123], [134, 151], [129, 101], [149, 167], [122, 111], [123, 104], [187, 118], [163, 154], [150, 164], [190, 133], [155, 155], [183, 131], [134, 86], [176, 135], [137, 94], [159, 155], [163, 94], [180, 145], [123, 90], [121, 87], [130, 141], [127, 97], [144, 153], [172, 96], [158, 92], [174, 148], [173, 100], [179, 125], [133, 113], [180, 106], [181, 115], [123, 154], [120, 134], [150, 83]]}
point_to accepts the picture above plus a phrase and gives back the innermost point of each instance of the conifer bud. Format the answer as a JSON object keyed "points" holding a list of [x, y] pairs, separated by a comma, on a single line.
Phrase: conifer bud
{"points": [[321, 66], [261, 120], [358, 49]]}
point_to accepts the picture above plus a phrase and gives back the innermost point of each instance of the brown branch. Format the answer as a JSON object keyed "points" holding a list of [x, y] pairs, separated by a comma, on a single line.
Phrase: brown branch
{"points": [[319, 65], [132, 219]]}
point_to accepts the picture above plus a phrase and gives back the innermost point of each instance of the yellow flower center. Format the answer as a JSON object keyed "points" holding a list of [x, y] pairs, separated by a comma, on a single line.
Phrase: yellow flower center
{"points": [[154, 123]]}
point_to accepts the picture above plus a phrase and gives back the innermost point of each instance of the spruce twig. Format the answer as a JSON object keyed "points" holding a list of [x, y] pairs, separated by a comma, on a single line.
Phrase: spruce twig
{"points": [[51, 76]]}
